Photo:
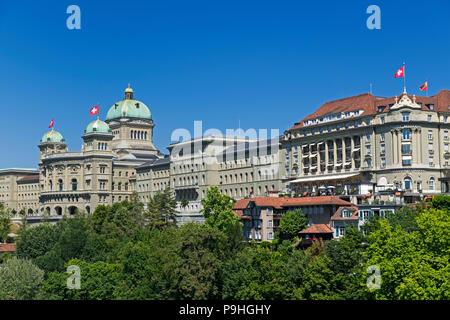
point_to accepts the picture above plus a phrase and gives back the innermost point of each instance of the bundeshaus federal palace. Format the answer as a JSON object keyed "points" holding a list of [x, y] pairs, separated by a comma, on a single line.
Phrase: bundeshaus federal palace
{"points": [[352, 158]]}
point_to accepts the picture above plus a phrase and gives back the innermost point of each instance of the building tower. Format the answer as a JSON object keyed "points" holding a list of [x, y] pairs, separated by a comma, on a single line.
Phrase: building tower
{"points": [[131, 124]]}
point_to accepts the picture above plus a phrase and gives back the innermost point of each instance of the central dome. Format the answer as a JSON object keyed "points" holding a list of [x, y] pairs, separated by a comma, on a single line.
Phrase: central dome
{"points": [[129, 108]]}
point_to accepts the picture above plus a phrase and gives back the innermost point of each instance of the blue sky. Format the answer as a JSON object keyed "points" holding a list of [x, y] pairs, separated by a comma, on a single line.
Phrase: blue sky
{"points": [[266, 64]]}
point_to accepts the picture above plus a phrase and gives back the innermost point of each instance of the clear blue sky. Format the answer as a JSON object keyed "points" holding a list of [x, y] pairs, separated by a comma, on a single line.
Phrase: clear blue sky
{"points": [[265, 63]]}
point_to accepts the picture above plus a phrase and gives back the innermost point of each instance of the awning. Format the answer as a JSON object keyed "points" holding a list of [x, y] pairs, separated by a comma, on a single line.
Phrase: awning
{"points": [[323, 178]]}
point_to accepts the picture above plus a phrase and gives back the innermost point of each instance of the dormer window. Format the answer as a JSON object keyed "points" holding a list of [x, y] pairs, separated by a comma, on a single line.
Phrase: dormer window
{"points": [[405, 116], [431, 106]]}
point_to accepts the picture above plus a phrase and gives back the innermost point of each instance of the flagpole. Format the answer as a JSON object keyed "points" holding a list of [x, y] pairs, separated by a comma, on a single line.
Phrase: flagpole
{"points": [[404, 77]]}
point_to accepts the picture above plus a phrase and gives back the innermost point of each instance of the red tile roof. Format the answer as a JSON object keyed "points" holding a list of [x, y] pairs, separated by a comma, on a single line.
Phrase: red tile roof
{"points": [[316, 228], [314, 201], [279, 203], [370, 104], [353, 209], [7, 247]]}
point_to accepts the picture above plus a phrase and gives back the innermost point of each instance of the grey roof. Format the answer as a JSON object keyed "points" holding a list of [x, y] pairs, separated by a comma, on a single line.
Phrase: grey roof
{"points": [[154, 163], [243, 149]]}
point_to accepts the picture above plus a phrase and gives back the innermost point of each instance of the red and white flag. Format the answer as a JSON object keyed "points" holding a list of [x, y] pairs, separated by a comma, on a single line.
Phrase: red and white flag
{"points": [[51, 124], [400, 73], [94, 110]]}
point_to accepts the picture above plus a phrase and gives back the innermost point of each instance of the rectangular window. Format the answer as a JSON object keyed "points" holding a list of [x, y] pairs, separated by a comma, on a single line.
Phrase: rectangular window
{"points": [[382, 120], [382, 136], [406, 133], [430, 134], [446, 135], [446, 147], [405, 116], [368, 149], [430, 161], [429, 118], [383, 162], [383, 148]]}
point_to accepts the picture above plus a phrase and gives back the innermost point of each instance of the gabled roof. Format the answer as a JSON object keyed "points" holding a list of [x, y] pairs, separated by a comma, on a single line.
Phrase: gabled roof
{"points": [[353, 209], [316, 228]]}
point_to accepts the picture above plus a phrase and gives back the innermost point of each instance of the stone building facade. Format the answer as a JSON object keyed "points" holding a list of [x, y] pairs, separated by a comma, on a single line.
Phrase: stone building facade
{"points": [[362, 149], [395, 148], [14, 194], [102, 172]]}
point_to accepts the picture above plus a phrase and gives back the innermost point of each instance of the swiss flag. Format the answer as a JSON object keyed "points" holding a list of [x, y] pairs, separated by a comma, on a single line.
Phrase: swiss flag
{"points": [[94, 110], [400, 73], [51, 124]]}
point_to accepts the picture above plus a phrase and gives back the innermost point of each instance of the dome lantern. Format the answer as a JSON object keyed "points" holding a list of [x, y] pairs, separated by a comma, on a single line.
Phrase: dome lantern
{"points": [[129, 93]]}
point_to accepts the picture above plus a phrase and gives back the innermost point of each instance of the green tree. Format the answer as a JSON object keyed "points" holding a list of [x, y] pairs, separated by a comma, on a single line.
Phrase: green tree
{"points": [[5, 223], [36, 241], [292, 223], [20, 279], [414, 265], [218, 213], [347, 256], [162, 210], [258, 274], [98, 281], [441, 202], [200, 262]]}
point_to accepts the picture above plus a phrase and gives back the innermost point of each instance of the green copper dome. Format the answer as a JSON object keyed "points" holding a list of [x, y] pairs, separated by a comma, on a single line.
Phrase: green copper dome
{"points": [[52, 136], [129, 108], [97, 126]]}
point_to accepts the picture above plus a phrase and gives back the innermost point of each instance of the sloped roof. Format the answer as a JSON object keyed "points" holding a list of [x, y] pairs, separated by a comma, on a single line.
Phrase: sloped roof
{"points": [[369, 104], [337, 214], [29, 179], [7, 247], [316, 228], [279, 203]]}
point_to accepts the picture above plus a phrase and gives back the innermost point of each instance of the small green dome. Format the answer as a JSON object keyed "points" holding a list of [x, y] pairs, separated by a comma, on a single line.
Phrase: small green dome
{"points": [[97, 126], [129, 108], [52, 136]]}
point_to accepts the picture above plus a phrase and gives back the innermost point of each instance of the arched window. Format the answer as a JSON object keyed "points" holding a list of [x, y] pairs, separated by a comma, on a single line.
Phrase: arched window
{"points": [[61, 185], [145, 135], [50, 185], [74, 184], [407, 182], [131, 134], [431, 184]]}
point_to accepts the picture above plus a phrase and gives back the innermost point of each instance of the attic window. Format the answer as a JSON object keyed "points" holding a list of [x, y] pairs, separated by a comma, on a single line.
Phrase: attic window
{"points": [[137, 105], [380, 108], [431, 106]]}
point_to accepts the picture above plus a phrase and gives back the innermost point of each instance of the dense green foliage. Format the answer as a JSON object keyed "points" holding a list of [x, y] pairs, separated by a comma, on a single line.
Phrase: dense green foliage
{"points": [[5, 223], [292, 223], [20, 279], [126, 252]]}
